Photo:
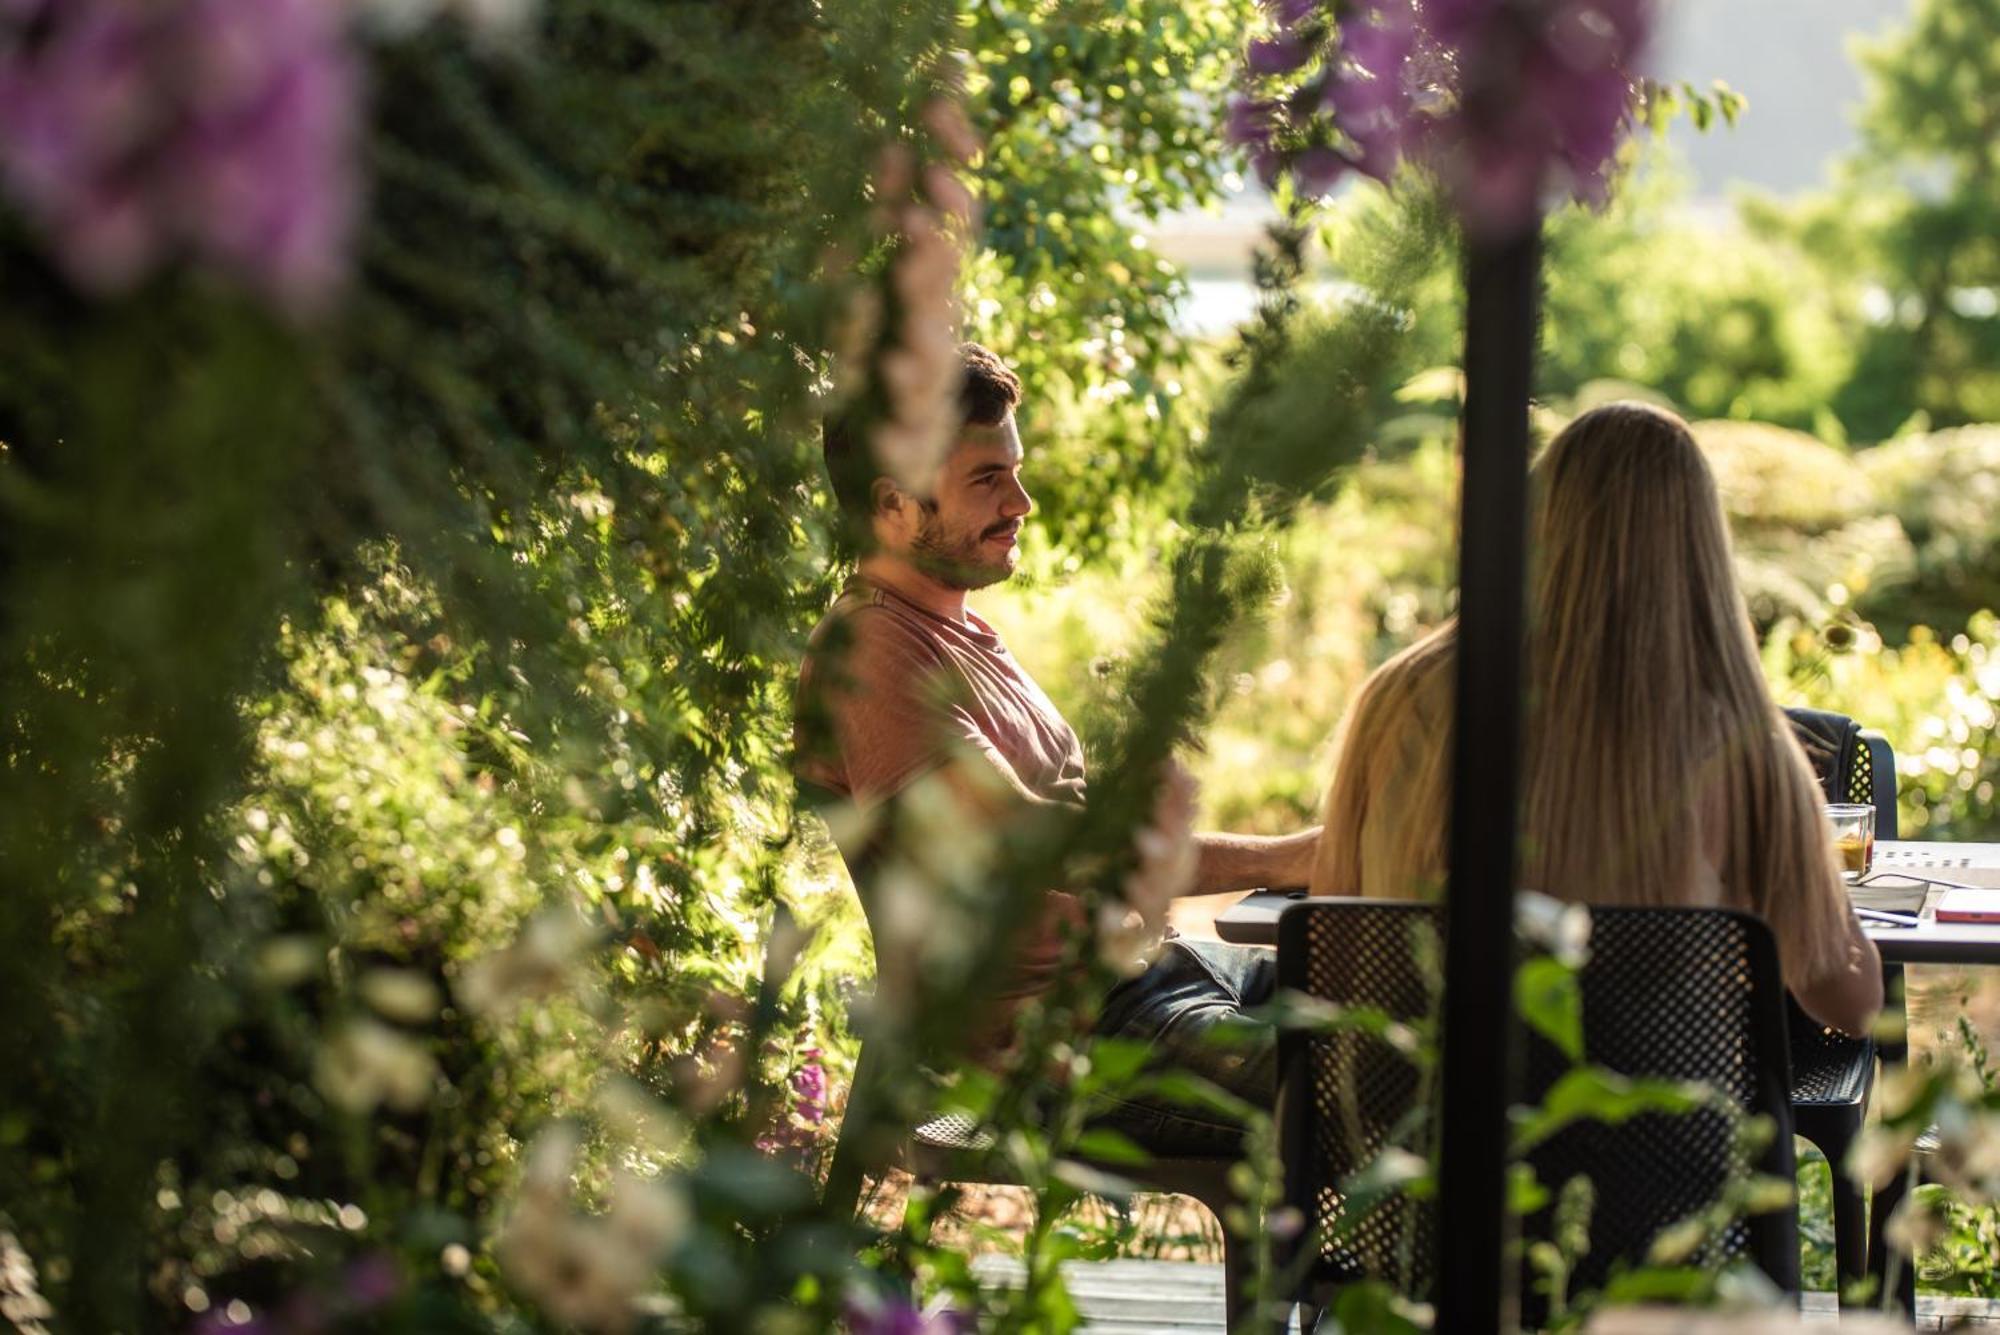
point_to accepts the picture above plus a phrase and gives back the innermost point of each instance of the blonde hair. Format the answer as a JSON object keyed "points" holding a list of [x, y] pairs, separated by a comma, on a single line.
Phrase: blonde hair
{"points": [[1655, 760]]}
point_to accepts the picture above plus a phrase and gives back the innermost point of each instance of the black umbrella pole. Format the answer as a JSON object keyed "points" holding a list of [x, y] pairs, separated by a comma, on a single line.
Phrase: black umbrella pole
{"points": [[1476, 1286]]}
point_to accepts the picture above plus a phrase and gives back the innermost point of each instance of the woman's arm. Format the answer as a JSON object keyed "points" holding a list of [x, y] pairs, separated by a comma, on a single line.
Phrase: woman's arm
{"points": [[1847, 998]]}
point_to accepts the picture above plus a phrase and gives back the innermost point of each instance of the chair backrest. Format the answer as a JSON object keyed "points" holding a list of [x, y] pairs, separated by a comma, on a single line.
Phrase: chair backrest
{"points": [[1853, 764], [1688, 994]]}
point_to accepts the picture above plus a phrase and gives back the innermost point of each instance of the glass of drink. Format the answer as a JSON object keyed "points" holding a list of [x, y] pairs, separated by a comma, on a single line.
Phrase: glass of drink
{"points": [[1854, 836]]}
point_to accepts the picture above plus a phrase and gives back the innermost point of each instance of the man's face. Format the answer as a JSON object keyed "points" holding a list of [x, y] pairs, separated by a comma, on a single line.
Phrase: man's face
{"points": [[967, 537]]}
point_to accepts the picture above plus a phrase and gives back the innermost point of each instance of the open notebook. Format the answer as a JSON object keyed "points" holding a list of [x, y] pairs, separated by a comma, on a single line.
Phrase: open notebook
{"points": [[1972, 865]]}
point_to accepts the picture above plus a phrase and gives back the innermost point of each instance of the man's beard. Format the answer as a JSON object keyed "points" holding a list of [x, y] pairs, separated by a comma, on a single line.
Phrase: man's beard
{"points": [[955, 560]]}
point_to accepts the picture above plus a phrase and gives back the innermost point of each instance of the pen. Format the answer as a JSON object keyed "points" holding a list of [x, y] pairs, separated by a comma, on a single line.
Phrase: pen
{"points": [[1886, 917]]}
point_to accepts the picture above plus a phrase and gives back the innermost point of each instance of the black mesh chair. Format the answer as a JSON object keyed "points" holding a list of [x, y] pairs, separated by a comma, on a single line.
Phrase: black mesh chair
{"points": [[953, 1148], [1691, 994], [1833, 1075]]}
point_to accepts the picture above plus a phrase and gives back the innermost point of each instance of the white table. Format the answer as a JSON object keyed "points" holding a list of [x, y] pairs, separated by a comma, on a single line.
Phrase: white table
{"points": [[1253, 920]]}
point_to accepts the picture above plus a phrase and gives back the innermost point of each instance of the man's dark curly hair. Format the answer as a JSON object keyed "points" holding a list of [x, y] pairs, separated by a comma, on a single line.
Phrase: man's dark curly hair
{"points": [[987, 392]]}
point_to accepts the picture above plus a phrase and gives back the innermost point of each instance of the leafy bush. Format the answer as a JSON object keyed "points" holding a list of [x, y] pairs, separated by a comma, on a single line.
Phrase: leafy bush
{"points": [[1805, 518], [1944, 488]]}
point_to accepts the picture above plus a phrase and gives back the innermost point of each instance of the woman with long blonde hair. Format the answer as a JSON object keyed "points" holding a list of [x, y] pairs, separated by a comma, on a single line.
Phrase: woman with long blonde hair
{"points": [[1657, 769]]}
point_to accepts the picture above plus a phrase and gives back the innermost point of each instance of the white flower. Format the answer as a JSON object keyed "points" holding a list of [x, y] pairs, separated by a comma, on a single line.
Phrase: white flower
{"points": [[1125, 941], [945, 119], [22, 1305], [1676, 1243], [538, 964], [1168, 858], [1879, 1153], [550, 1161], [706, 1081], [636, 1118], [920, 371], [571, 1266], [1916, 1227], [491, 22], [366, 1063], [1968, 1154], [1900, 1088], [286, 961], [1560, 928], [588, 1272], [649, 1215], [400, 994]]}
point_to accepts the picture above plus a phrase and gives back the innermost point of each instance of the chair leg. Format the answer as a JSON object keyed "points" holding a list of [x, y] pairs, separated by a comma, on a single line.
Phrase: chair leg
{"points": [[1850, 1209], [1240, 1313], [1894, 1273], [1850, 1236]]}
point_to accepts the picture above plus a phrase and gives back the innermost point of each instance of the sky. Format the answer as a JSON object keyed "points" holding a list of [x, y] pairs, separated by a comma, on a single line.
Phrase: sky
{"points": [[1790, 58]]}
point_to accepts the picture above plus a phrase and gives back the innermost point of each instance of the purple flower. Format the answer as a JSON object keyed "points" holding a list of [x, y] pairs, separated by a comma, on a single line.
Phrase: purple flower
{"points": [[1250, 120], [802, 1123], [1380, 39], [809, 1088], [874, 1315], [224, 130], [372, 1281], [1318, 170], [1277, 55], [1291, 13], [1548, 97]]}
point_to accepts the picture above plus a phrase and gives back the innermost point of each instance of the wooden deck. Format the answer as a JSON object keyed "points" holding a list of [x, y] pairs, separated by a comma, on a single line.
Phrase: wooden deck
{"points": [[1182, 1297]]}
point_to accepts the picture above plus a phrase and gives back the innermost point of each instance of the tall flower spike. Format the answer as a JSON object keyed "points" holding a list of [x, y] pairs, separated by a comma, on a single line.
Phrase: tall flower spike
{"points": [[919, 369]]}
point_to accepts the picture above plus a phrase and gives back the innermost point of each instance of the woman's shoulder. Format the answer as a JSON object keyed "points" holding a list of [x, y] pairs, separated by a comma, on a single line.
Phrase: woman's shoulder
{"points": [[1418, 681]]}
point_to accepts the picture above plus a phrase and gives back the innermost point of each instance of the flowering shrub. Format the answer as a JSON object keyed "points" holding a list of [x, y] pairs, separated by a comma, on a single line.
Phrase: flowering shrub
{"points": [[225, 130], [1506, 99], [408, 921]]}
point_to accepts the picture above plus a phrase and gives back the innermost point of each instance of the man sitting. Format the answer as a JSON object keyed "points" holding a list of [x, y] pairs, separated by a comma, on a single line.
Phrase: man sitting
{"points": [[904, 684]]}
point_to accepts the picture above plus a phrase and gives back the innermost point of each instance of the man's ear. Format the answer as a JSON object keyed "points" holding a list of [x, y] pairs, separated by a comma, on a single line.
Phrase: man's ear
{"points": [[885, 497]]}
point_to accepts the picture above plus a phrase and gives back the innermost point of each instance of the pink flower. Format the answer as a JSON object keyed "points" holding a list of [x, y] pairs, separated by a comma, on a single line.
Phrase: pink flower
{"points": [[222, 130], [799, 1128], [809, 1088], [1551, 84], [898, 1316], [1291, 13], [1277, 55], [1250, 120]]}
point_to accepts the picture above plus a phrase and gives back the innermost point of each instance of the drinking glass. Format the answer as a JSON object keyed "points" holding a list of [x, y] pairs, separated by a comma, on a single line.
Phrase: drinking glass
{"points": [[1854, 836]]}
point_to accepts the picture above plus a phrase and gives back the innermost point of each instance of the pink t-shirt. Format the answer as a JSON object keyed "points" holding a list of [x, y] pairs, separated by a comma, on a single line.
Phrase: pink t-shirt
{"points": [[889, 690]]}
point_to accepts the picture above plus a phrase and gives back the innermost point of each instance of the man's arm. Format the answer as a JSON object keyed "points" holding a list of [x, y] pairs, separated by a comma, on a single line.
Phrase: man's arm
{"points": [[1224, 862], [1253, 861]]}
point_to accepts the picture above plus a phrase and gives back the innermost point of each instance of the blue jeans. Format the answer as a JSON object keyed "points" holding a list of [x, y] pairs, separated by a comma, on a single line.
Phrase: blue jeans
{"points": [[1175, 1005]]}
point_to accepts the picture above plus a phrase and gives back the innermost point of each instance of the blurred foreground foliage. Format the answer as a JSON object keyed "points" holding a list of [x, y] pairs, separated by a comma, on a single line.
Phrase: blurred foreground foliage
{"points": [[392, 772]]}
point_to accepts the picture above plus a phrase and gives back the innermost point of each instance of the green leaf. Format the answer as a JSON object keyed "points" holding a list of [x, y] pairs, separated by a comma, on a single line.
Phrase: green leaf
{"points": [[1652, 1284], [1436, 384], [1093, 1181], [1550, 999], [1525, 1192], [1374, 1307], [1393, 1169], [1105, 1145], [1591, 1093], [1113, 1061], [1191, 1091]]}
